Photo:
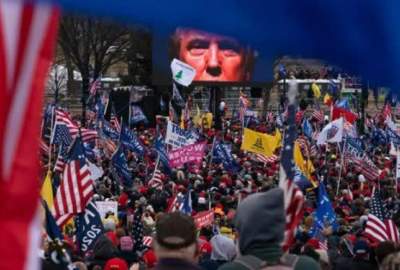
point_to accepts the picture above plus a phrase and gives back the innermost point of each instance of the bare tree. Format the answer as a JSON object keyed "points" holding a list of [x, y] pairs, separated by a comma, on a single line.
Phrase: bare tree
{"points": [[139, 57], [92, 46], [57, 81]]}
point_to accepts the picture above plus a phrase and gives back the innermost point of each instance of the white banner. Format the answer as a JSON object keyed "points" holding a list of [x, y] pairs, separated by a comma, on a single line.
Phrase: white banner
{"points": [[178, 137], [106, 206], [182, 73]]}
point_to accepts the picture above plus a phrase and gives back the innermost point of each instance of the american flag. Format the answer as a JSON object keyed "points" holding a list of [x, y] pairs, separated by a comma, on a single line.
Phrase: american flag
{"points": [[96, 85], [147, 241], [138, 230], [293, 197], [44, 147], [380, 227], [61, 135], [318, 115], [27, 40], [60, 162], [176, 203], [322, 240], [156, 180], [76, 188], [265, 159], [368, 168], [244, 103], [63, 118]]}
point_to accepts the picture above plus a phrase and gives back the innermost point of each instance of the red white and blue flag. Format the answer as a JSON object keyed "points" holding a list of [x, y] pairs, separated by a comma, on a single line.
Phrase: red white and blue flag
{"points": [[380, 227], [76, 187], [293, 197], [63, 119], [27, 39]]}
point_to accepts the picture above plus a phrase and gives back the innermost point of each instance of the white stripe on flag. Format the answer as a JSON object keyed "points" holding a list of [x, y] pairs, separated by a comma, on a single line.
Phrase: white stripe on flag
{"points": [[16, 115]]}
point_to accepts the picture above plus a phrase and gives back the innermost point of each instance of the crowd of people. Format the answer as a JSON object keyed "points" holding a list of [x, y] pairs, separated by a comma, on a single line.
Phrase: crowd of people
{"points": [[152, 228]]}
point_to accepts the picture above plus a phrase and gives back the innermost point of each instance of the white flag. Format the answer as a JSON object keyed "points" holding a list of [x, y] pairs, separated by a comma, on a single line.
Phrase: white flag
{"points": [[182, 73], [332, 132]]}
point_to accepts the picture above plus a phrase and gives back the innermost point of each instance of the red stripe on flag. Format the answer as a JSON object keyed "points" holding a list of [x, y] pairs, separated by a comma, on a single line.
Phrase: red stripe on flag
{"points": [[25, 55]]}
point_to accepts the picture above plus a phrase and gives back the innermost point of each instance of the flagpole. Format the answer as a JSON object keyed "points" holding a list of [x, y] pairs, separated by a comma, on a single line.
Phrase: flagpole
{"points": [[211, 153], [51, 135], [341, 166]]}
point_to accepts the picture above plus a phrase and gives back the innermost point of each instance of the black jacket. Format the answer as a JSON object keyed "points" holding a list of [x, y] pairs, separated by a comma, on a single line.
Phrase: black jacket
{"points": [[175, 264]]}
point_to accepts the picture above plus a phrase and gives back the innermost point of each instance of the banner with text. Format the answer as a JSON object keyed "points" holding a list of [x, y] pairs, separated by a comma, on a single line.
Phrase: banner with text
{"points": [[193, 153], [89, 227], [178, 137], [204, 218]]}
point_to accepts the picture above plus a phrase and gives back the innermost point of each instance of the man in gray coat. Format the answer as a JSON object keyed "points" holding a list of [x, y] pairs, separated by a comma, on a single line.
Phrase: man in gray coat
{"points": [[260, 223]]}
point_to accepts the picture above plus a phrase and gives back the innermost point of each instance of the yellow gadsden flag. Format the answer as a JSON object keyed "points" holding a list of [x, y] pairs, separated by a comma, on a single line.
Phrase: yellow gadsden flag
{"points": [[47, 190], [260, 143], [305, 166]]}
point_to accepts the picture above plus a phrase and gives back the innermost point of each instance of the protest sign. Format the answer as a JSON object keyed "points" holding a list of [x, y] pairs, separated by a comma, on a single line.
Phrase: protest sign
{"points": [[178, 137], [106, 206], [204, 218], [192, 153]]}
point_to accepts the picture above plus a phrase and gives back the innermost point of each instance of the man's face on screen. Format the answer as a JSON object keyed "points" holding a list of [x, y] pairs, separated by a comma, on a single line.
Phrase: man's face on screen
{"points": [[215, 58]]}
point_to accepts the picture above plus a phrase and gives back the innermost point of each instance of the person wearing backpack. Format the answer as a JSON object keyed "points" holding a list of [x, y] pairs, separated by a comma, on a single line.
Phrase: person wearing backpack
{"points": [[260, 224]]}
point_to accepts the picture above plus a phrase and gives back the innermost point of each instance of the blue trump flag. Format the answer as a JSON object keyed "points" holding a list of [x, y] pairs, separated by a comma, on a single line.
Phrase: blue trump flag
{"points": [[159, 146], [223, 153], [109, 131], [137, 115], [307, 128], [324, 215], [354, 146], [130, 141], [121, 166], [88, 227]]}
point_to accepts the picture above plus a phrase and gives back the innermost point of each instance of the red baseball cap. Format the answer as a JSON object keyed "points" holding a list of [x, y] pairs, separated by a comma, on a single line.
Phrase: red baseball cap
{"points": [[116, 264]]}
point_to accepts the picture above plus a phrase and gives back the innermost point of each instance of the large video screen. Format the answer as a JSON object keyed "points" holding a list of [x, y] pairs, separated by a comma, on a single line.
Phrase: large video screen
{"points": [[215, 57]]}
